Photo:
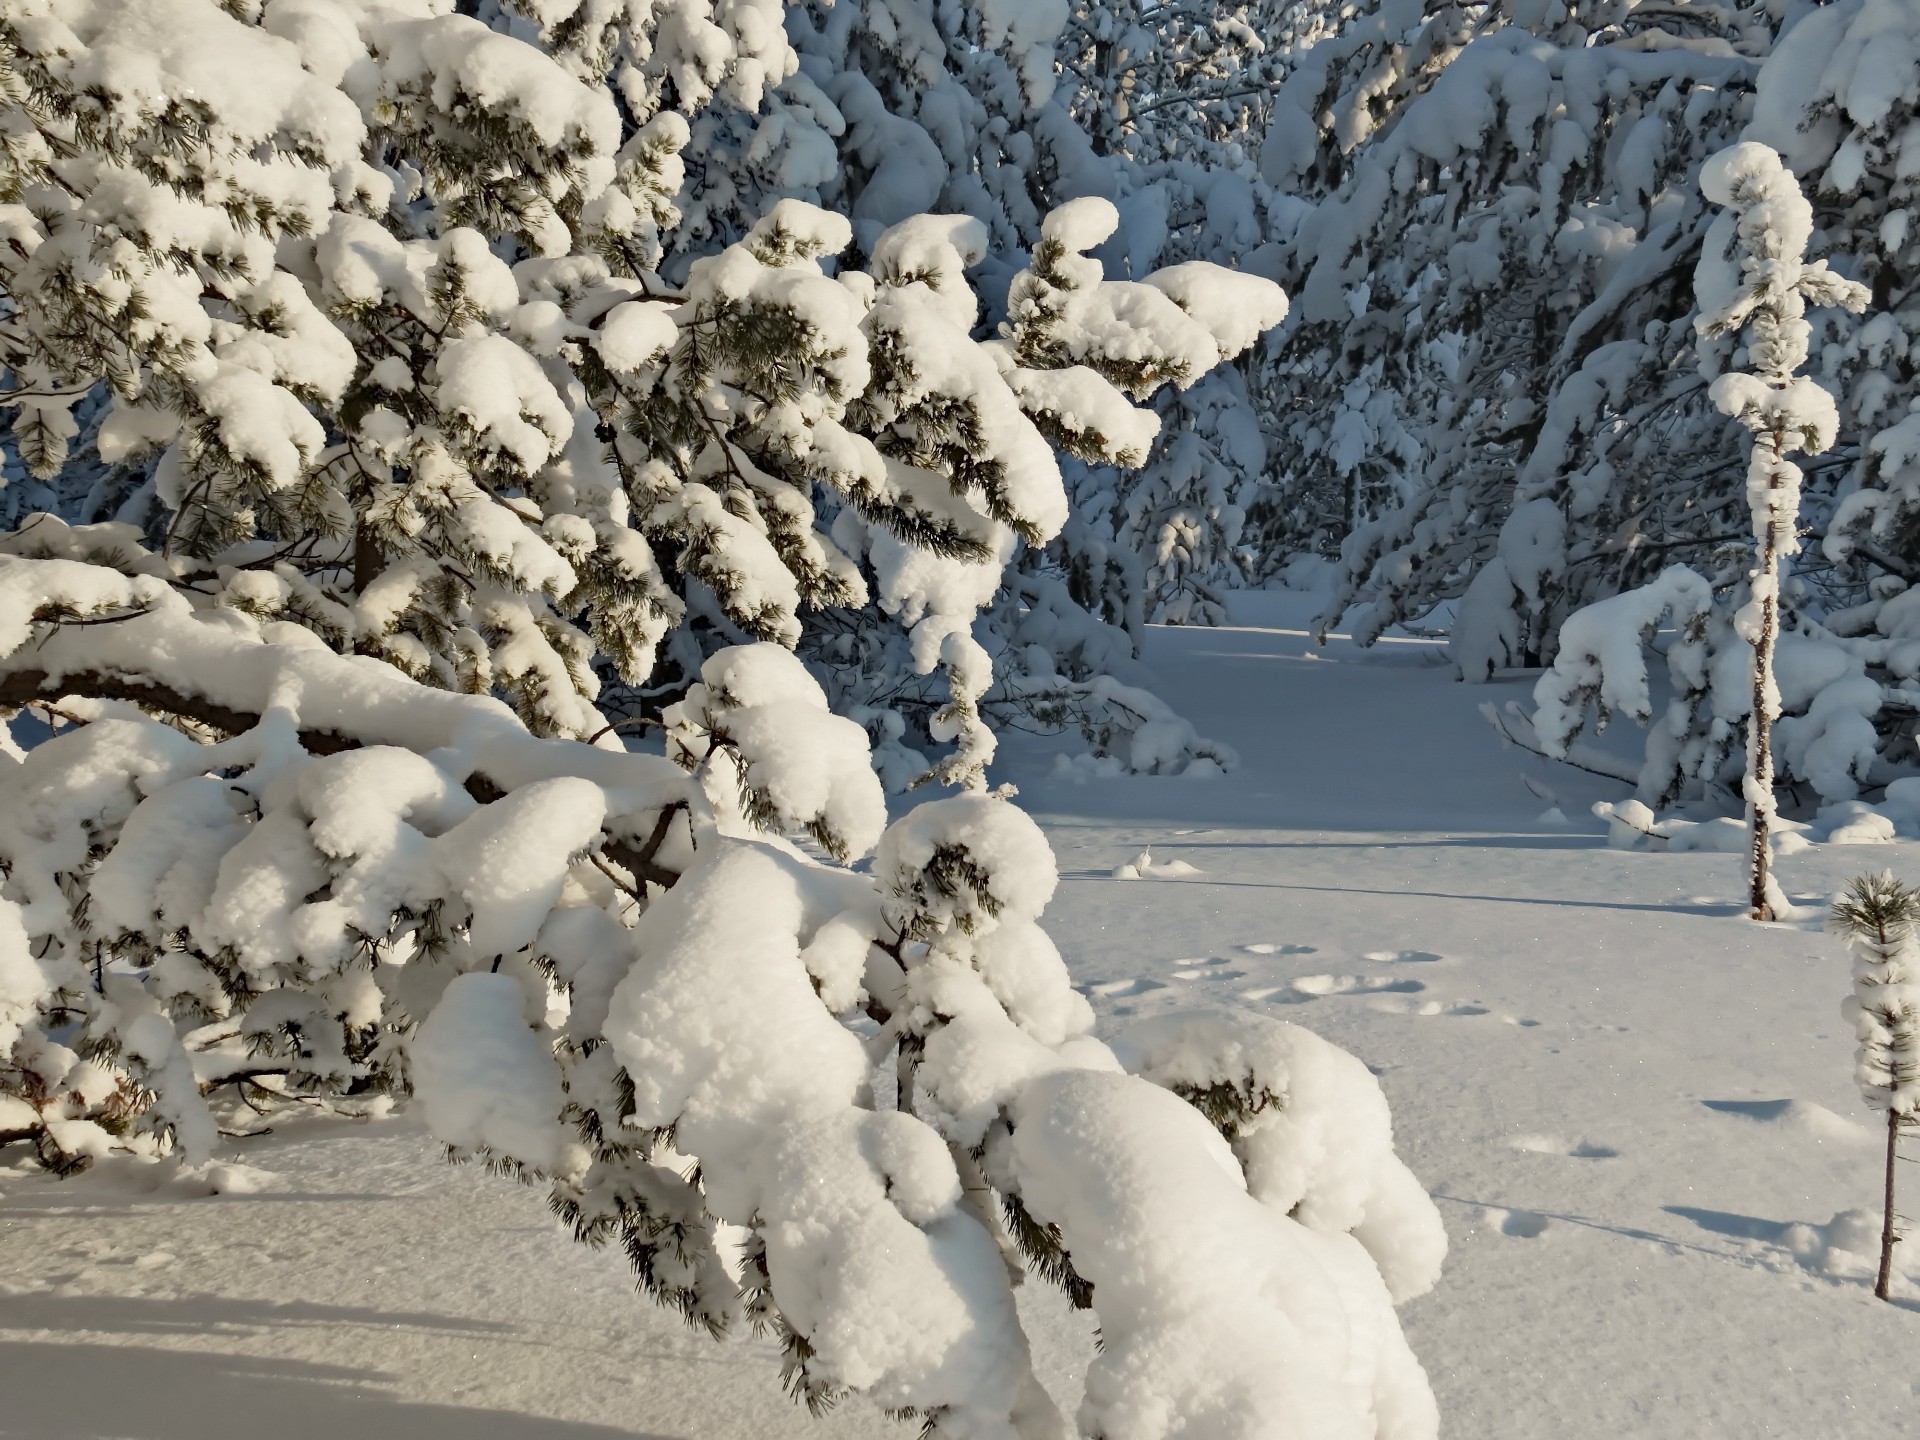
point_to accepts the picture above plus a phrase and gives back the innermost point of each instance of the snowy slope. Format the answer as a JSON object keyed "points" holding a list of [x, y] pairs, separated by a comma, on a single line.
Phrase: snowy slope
{"points": [[1636, 1108]]}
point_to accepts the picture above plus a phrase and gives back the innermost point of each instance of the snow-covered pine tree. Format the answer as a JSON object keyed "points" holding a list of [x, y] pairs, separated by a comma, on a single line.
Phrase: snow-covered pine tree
{"points": [[281, 283], [450, 502], [990, 109], [1754, 286], [277, 849], [935, 107], [954, 108], [1172, 97], [1763, 231], [1877, 916], [725, 78]]}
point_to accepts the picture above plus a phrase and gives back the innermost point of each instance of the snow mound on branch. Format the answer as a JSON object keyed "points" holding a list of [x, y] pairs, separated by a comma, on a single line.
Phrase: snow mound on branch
{"points": [[793, 762], [142, 59], [965, 861], [509, 860], [1237, 307], [1253, 1318], [768, 1096], [484, 1077], [1318, 1143], [1080, 225], [452, 54]]}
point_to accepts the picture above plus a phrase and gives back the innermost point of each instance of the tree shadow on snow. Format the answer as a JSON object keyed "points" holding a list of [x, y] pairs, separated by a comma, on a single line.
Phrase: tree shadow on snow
{"points": [[1515, 840], [86, 1392], [199, 1314], [119, 1204], [1556, 902], [1737, 1227], [1781, 1233], [1585, 1222]]}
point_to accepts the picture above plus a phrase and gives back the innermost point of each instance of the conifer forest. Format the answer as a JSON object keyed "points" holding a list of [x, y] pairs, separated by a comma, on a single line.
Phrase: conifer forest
{"points": [[959, 719]]}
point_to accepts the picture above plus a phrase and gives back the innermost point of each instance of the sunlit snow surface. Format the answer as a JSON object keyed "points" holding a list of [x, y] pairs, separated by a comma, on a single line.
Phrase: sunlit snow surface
{"points": [[1635, 1108]]}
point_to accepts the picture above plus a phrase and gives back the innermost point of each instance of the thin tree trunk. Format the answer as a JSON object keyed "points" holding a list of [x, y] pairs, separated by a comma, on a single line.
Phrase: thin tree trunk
{"points": [[1760, 748], [1759, 786], [1887, 1237], [368, 558]]}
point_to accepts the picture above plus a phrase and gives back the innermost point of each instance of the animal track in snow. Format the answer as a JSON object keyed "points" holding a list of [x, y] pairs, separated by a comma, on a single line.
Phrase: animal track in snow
{"points": [[1269, 948], [1402, 957]]}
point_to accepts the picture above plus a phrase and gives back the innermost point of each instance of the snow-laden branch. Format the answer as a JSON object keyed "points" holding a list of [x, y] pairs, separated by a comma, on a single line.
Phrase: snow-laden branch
{"points": [[363, 918]]}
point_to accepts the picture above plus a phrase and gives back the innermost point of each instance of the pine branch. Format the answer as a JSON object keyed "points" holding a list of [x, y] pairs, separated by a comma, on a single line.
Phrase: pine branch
{"points": [[20, 688]]}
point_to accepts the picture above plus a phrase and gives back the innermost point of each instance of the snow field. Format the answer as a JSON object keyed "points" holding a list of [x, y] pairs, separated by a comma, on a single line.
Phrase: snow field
{"points": [[1636, 1112]]}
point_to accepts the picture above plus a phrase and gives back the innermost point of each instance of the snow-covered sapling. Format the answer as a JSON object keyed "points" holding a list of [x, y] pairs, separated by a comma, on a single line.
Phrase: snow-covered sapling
{"points": [[1877, 917], [1753, 281]]}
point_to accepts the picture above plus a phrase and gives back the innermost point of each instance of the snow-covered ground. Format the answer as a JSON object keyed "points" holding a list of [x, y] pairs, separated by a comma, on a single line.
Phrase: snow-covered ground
{"points": [[1635, 1108]]}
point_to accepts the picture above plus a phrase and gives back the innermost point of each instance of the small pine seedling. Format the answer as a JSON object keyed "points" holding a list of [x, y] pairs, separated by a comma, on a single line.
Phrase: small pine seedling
{"points": [[1878, 916]]}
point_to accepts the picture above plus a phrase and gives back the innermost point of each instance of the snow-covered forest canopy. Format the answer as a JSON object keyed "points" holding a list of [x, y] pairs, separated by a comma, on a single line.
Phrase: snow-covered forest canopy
{"points": [[546, 544]]}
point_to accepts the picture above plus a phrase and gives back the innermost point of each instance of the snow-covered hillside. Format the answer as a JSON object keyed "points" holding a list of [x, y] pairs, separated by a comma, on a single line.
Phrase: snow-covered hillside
{"points": [[1634, 1108]]}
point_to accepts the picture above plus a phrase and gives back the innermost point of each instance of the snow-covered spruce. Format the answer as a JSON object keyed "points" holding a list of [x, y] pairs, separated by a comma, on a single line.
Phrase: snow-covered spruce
{"points": [[368, 880], [1878, 916]]}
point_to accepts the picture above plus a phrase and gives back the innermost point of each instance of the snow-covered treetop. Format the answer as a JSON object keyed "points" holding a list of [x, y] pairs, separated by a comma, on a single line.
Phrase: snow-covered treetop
{"points": [[1753, 275]]}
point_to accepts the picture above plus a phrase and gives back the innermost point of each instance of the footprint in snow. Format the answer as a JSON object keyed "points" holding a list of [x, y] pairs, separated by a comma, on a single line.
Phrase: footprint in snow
{"points": [[1393, 1005], [1402, 957], [1520, 1224], [1206, 970], [1267, 948], [1320, 986], [1554, 1145], [1113, 989]]}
